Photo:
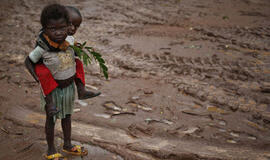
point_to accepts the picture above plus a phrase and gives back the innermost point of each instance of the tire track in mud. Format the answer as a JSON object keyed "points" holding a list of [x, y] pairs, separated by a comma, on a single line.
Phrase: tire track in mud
{"points": [[133, 13], [232, 85], [206, 67], [255, 38]]}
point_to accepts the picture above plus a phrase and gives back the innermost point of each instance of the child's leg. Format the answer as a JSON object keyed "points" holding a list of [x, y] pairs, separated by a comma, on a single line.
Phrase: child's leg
{"points": [[66, 126], [49, 130], [80, 82], [79, 71], [50, 107], [68, 147]]}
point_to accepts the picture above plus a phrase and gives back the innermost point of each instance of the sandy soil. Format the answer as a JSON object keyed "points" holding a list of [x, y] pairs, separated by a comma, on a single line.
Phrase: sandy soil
{"points": [[189, 79]]}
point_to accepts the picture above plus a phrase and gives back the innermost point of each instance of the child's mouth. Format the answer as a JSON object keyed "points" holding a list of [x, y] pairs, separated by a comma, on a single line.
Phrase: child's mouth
{"points": [[71, 32], [59, 39]]}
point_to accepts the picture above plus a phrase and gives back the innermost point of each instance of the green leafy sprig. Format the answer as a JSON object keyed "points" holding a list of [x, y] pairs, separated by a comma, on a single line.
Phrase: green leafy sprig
{"points": [[88, 54]]}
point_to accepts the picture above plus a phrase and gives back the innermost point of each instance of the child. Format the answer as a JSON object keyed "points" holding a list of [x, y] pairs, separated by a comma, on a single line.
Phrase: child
{"points": [[43, 74], [60, 60]]}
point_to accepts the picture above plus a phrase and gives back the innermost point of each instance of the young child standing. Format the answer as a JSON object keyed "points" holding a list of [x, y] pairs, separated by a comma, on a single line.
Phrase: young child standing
{"points": [[60, 60], [42, 73]]}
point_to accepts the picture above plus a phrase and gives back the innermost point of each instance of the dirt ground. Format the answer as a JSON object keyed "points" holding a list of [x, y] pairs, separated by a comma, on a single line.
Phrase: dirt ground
{"points": [[188, 79]]}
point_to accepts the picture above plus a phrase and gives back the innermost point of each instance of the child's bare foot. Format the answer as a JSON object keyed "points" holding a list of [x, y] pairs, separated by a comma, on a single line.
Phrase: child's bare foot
{"points": [[84, 94], [55, 156], [75, 150]]}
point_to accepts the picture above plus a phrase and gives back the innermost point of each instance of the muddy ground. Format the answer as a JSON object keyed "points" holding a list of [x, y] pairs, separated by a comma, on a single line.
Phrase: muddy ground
{"points": [[189, 79]]}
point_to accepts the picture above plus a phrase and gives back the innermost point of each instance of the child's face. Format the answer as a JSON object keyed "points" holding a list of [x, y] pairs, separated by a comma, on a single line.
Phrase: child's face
{"points": [[57, 30], [75, 22]]}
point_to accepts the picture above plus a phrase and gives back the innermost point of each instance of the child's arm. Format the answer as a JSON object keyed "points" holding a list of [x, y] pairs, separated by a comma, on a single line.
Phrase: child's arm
{"points": [[30, 62], [31, 68], [32, 59]]}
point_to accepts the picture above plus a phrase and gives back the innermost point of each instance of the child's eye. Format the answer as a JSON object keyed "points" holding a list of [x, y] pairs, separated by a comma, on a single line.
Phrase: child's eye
{"points": [[52, 29], [63, 28], [57, 29]]}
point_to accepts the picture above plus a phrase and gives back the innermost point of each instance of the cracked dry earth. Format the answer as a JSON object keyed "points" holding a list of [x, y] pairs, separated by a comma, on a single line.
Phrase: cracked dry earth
{"points": [[189, 79]]}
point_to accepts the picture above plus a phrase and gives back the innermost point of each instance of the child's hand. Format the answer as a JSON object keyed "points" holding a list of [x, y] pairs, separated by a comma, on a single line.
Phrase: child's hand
{"points": [[77, 44], [51, 110]]}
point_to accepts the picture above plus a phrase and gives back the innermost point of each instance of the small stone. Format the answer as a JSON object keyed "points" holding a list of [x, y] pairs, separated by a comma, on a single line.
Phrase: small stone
{"points": [[90, 103], [132, 104], [102, 115], [76, 110], [257, 115], [167, 122], [102, 95], [234, 108], [111, 105], [190, 130], [135, 98], [231, 141], [223, 123], [255, 86], [144, 75], [216, 110], [262, 107], [196, 106], [148, 91], [153, 73], [201, 95], [234, 134], [252, 103], [244, 108], [266, 118], [133, 75], [233, 105], [252, 138], [91, 86], [144, 108], [255, 125], [81, 103], [221, 130], [241, 100]]}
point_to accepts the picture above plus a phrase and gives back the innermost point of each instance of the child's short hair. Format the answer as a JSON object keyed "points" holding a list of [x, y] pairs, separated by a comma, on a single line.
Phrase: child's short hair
{"points": [[75, 10], [53, 11]]}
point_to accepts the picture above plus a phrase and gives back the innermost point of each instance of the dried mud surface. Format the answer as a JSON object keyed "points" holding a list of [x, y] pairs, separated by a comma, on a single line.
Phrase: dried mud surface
{"points": [[182, 70]]}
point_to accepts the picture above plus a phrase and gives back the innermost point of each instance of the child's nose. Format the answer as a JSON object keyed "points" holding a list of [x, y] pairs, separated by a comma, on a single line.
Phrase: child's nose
{"points": [[58, 33], [72, 27]]}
